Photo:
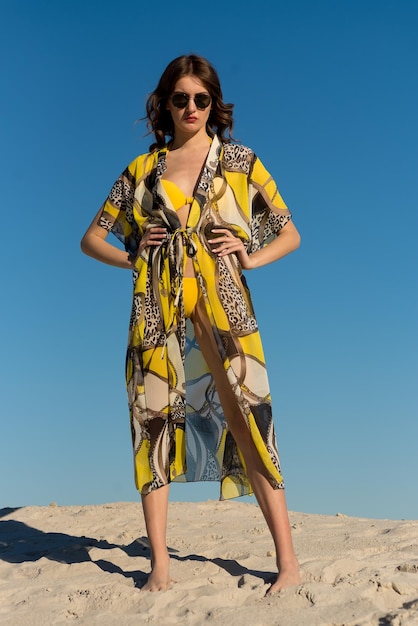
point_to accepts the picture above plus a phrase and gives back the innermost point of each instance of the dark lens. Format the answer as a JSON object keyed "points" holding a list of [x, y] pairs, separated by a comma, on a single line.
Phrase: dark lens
{"points": [[180, 100], [202, 100]]}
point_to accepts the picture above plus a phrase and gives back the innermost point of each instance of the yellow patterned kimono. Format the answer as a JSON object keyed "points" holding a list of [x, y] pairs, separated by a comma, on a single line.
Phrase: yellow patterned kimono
{"points": [[179, 431]]}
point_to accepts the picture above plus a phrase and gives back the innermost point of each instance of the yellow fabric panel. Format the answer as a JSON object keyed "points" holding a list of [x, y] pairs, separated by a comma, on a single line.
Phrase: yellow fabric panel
{"points": [[209, 270], [142, 165], [261, 177], [143, 473], [111, 210], [152, 361], [221, 449], [178, 466], [167, 304], [113, 213], [233, 488], [239, 183], [252, 346]]}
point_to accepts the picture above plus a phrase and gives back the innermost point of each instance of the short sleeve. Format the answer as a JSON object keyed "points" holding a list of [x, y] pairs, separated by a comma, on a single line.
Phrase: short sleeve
{"points": [[117, 214], [269, 212]]}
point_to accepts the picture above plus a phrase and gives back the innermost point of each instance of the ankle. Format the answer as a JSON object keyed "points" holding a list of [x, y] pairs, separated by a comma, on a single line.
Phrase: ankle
{"points": [[289, 563], [161, 557]]}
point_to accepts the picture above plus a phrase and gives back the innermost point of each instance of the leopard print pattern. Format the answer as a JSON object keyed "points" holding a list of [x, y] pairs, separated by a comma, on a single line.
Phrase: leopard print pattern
{"points": [[181, 328], [105, 223], [263, 230], [240, 318], [153, 331], [205, 180], [122, 194], [137, 309], [211, 470], [121, 197], [161, 164], [237, 158], [178, 410], [274, 455], [135, 379]]}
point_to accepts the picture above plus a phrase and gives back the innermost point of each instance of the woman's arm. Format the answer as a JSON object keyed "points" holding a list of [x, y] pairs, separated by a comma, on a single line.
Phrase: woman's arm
{"points": [[286, 241], [94, 244]]}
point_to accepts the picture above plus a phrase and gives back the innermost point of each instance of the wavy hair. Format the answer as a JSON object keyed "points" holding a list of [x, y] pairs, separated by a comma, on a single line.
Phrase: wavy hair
{"points": [[159, 120]]}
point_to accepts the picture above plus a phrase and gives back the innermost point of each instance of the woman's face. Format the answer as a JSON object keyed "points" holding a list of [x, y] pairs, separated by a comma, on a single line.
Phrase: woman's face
{"points": [[193, 105]]}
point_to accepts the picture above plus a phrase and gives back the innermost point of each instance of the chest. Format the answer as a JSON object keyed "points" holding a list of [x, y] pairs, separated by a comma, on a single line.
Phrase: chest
{"points": [[185, 170]]}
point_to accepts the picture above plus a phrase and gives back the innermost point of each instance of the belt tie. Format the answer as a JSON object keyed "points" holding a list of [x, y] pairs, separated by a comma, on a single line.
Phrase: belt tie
{"points": [[176, 243]]}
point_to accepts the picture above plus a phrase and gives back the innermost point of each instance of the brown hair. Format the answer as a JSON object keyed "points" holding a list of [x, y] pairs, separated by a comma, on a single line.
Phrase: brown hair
{"points": [[159, 119]]}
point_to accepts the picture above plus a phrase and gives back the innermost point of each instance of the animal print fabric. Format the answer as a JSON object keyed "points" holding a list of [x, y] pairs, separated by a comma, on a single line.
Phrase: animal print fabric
{"points": [[179, 431]]}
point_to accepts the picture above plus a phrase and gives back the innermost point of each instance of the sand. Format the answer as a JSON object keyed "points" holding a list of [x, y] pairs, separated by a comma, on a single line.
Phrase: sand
{"points": [[86, 564]]}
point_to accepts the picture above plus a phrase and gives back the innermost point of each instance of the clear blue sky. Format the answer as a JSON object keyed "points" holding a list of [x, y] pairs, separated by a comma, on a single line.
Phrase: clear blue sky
{"points": [[325, 92]]}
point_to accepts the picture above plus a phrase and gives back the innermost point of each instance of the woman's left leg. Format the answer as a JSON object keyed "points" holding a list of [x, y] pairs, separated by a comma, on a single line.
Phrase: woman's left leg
{"points": [[272, 501]]}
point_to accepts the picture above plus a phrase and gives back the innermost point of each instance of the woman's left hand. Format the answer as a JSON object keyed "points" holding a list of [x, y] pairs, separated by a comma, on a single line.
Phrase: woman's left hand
{"points": [[226, 242]]}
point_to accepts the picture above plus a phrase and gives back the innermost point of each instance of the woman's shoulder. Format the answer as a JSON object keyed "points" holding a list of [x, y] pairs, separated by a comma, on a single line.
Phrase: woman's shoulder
{"points": [[237, 157], [143, 163]]}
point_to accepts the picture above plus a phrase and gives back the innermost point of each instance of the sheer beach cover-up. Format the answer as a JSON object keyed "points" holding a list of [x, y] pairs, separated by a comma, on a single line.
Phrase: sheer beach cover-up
{"points": [[179, 432]]}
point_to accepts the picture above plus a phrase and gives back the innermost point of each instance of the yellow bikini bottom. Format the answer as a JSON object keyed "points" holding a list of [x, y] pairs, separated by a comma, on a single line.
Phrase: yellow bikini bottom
{"points": [[190, 294]]}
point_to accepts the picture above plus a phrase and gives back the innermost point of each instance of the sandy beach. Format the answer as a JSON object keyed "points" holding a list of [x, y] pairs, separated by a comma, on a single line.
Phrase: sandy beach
{"points": [[86, 564]]}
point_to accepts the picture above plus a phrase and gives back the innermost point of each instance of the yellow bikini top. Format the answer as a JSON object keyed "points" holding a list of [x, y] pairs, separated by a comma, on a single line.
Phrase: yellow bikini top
{"points": [[177, 197]]}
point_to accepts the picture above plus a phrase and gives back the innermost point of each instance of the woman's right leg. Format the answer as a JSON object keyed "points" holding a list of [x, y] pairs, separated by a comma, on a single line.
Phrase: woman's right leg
{"points": [[155, 506]]}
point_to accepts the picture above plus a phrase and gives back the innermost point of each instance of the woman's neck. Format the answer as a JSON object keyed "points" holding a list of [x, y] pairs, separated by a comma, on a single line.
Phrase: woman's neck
{"points": [[190, 142]]}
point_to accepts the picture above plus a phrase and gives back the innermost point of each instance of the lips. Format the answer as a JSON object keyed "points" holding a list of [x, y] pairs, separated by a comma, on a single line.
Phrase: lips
{"points": [[190, 118]]}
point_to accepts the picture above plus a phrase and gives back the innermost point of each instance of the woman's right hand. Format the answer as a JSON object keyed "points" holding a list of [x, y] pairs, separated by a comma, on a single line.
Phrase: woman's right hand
{"points": [[94, 244], [153, 236]]}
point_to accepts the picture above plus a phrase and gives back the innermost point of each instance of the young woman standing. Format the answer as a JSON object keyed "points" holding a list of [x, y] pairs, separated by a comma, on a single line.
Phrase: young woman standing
{"points": [[193, 213]]}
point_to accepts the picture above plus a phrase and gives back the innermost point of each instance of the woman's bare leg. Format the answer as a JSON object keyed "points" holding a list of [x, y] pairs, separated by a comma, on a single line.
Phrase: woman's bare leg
{"points": [[155, 506], [273, 505], [272, 502]]}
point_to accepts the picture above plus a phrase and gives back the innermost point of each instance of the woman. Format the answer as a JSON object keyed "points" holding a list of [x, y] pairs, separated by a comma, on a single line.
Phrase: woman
{"points": [[192, 214]]}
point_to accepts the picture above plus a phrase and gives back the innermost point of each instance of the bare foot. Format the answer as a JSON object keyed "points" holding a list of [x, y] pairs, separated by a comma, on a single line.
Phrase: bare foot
{"points": [[288, 576], [159, 579]]}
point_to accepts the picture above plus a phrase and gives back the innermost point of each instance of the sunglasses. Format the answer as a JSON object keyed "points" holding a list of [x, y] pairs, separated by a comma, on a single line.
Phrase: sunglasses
{"points": [[181, 100]]}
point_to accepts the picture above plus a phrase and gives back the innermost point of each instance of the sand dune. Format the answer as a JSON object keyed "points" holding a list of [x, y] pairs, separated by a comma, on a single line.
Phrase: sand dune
{"points": [[87, 564]]}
